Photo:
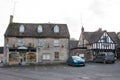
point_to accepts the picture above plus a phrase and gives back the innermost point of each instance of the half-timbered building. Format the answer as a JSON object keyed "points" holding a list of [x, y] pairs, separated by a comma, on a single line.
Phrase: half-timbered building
{"points": [[118, 46], [98, 41]]}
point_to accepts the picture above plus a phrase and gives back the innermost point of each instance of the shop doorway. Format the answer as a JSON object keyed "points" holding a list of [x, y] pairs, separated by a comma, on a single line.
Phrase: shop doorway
{"points": [[22, 58]]}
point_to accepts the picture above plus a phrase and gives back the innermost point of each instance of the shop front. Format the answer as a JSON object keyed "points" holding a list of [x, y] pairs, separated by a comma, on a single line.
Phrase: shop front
{"points": [[22, 56]]}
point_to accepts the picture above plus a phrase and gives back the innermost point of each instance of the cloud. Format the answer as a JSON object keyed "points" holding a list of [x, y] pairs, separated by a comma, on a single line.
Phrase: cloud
{"points": [[95, 14]]}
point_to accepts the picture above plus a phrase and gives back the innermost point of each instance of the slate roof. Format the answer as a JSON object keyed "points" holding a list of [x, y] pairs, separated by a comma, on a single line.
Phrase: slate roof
{"points": [[95, 36], [31, 30], [73, 44]]}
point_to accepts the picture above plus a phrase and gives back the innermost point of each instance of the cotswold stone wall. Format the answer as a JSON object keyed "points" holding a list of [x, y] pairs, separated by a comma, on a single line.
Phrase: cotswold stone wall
{"points": [[47, 47]]}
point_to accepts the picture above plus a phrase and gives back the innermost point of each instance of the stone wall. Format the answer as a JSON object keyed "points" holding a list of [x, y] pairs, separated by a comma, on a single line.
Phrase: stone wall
{"points": [[47, 47]]}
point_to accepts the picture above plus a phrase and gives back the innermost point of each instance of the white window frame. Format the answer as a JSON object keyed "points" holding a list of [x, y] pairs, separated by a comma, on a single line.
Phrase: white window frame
{"points": [[20, 42], [56, 29], [22, 28], [56, 42], [40, 42], [46, 56], [40, 29]]}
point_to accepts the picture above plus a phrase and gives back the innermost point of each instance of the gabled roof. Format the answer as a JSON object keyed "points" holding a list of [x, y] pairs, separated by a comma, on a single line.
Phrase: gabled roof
{"points": [[95, 36], [31, 30], [73, 44]]}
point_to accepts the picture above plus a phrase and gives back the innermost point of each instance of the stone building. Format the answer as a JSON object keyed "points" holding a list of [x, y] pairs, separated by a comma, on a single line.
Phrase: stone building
{"points": [[36, 43], [1, 53]]}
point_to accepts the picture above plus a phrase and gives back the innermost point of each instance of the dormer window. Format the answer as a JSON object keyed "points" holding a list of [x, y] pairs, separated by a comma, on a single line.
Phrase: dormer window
{"points": [[40, 29], [22, 28], [56, 29]]}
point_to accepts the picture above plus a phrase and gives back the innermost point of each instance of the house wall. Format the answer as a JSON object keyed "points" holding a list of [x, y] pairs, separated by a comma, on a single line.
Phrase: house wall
{"points": [[62, 49], [118, 53], [13, 41], [47, 47]]}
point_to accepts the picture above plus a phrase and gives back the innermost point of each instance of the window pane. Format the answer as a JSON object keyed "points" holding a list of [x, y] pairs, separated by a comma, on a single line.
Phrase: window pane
{"points": [[56, 29], [20, 42], [46, 56], [40, 42], [40, 29], [56, 42], [22, 28], [56, 55]]}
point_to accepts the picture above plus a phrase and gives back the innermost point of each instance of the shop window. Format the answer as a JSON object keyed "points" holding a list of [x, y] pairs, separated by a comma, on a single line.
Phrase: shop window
{"points": [[13, 57], [31, 57]]}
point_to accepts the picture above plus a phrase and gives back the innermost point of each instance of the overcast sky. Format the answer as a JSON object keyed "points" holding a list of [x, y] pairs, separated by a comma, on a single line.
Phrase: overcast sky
{"points": [[92, 14]]}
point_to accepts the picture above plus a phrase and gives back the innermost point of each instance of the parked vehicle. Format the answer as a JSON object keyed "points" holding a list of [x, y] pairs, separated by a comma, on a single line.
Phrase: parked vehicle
{"points": [[105, 57], [75, 61]]}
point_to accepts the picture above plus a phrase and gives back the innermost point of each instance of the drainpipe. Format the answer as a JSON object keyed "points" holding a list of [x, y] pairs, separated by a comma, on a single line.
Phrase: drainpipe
{"points": [[7, 51]]}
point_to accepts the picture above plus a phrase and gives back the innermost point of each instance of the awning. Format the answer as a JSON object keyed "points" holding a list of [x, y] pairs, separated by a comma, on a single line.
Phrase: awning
{"points": [[22, 47]]}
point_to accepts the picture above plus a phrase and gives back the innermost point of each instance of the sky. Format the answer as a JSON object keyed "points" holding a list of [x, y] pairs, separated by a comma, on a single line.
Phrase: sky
{"points": [[91, 14]]}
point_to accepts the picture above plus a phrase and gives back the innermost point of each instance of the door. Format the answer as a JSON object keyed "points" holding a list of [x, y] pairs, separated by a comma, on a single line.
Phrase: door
{"points": [[22, 58]]}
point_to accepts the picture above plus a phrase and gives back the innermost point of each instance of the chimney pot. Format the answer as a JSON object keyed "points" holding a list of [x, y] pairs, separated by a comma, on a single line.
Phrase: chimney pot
{"points": [[11, 18]]}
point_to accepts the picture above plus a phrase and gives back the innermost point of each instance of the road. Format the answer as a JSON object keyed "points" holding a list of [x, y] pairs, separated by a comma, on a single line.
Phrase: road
{"points": [[92, 71]]}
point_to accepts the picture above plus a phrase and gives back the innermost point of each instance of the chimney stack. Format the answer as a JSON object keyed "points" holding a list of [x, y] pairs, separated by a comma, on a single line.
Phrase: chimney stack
{"points": [[11, 18], [82, 29]]}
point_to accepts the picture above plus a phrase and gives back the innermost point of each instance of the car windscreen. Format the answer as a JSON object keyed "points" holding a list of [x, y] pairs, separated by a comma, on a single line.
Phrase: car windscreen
{"points": [[76, 57], [110, 54]]}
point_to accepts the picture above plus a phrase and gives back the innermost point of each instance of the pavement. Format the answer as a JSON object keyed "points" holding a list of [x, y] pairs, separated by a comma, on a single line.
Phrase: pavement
{"points": [[92, 71]]}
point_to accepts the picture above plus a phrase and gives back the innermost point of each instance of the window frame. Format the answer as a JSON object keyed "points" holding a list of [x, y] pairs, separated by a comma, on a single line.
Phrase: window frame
{"points": [[39, 29], [56, 42], [40, 42], [20, 42], [46, 56], [56, 29], [56, 55], [21, 29]]}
